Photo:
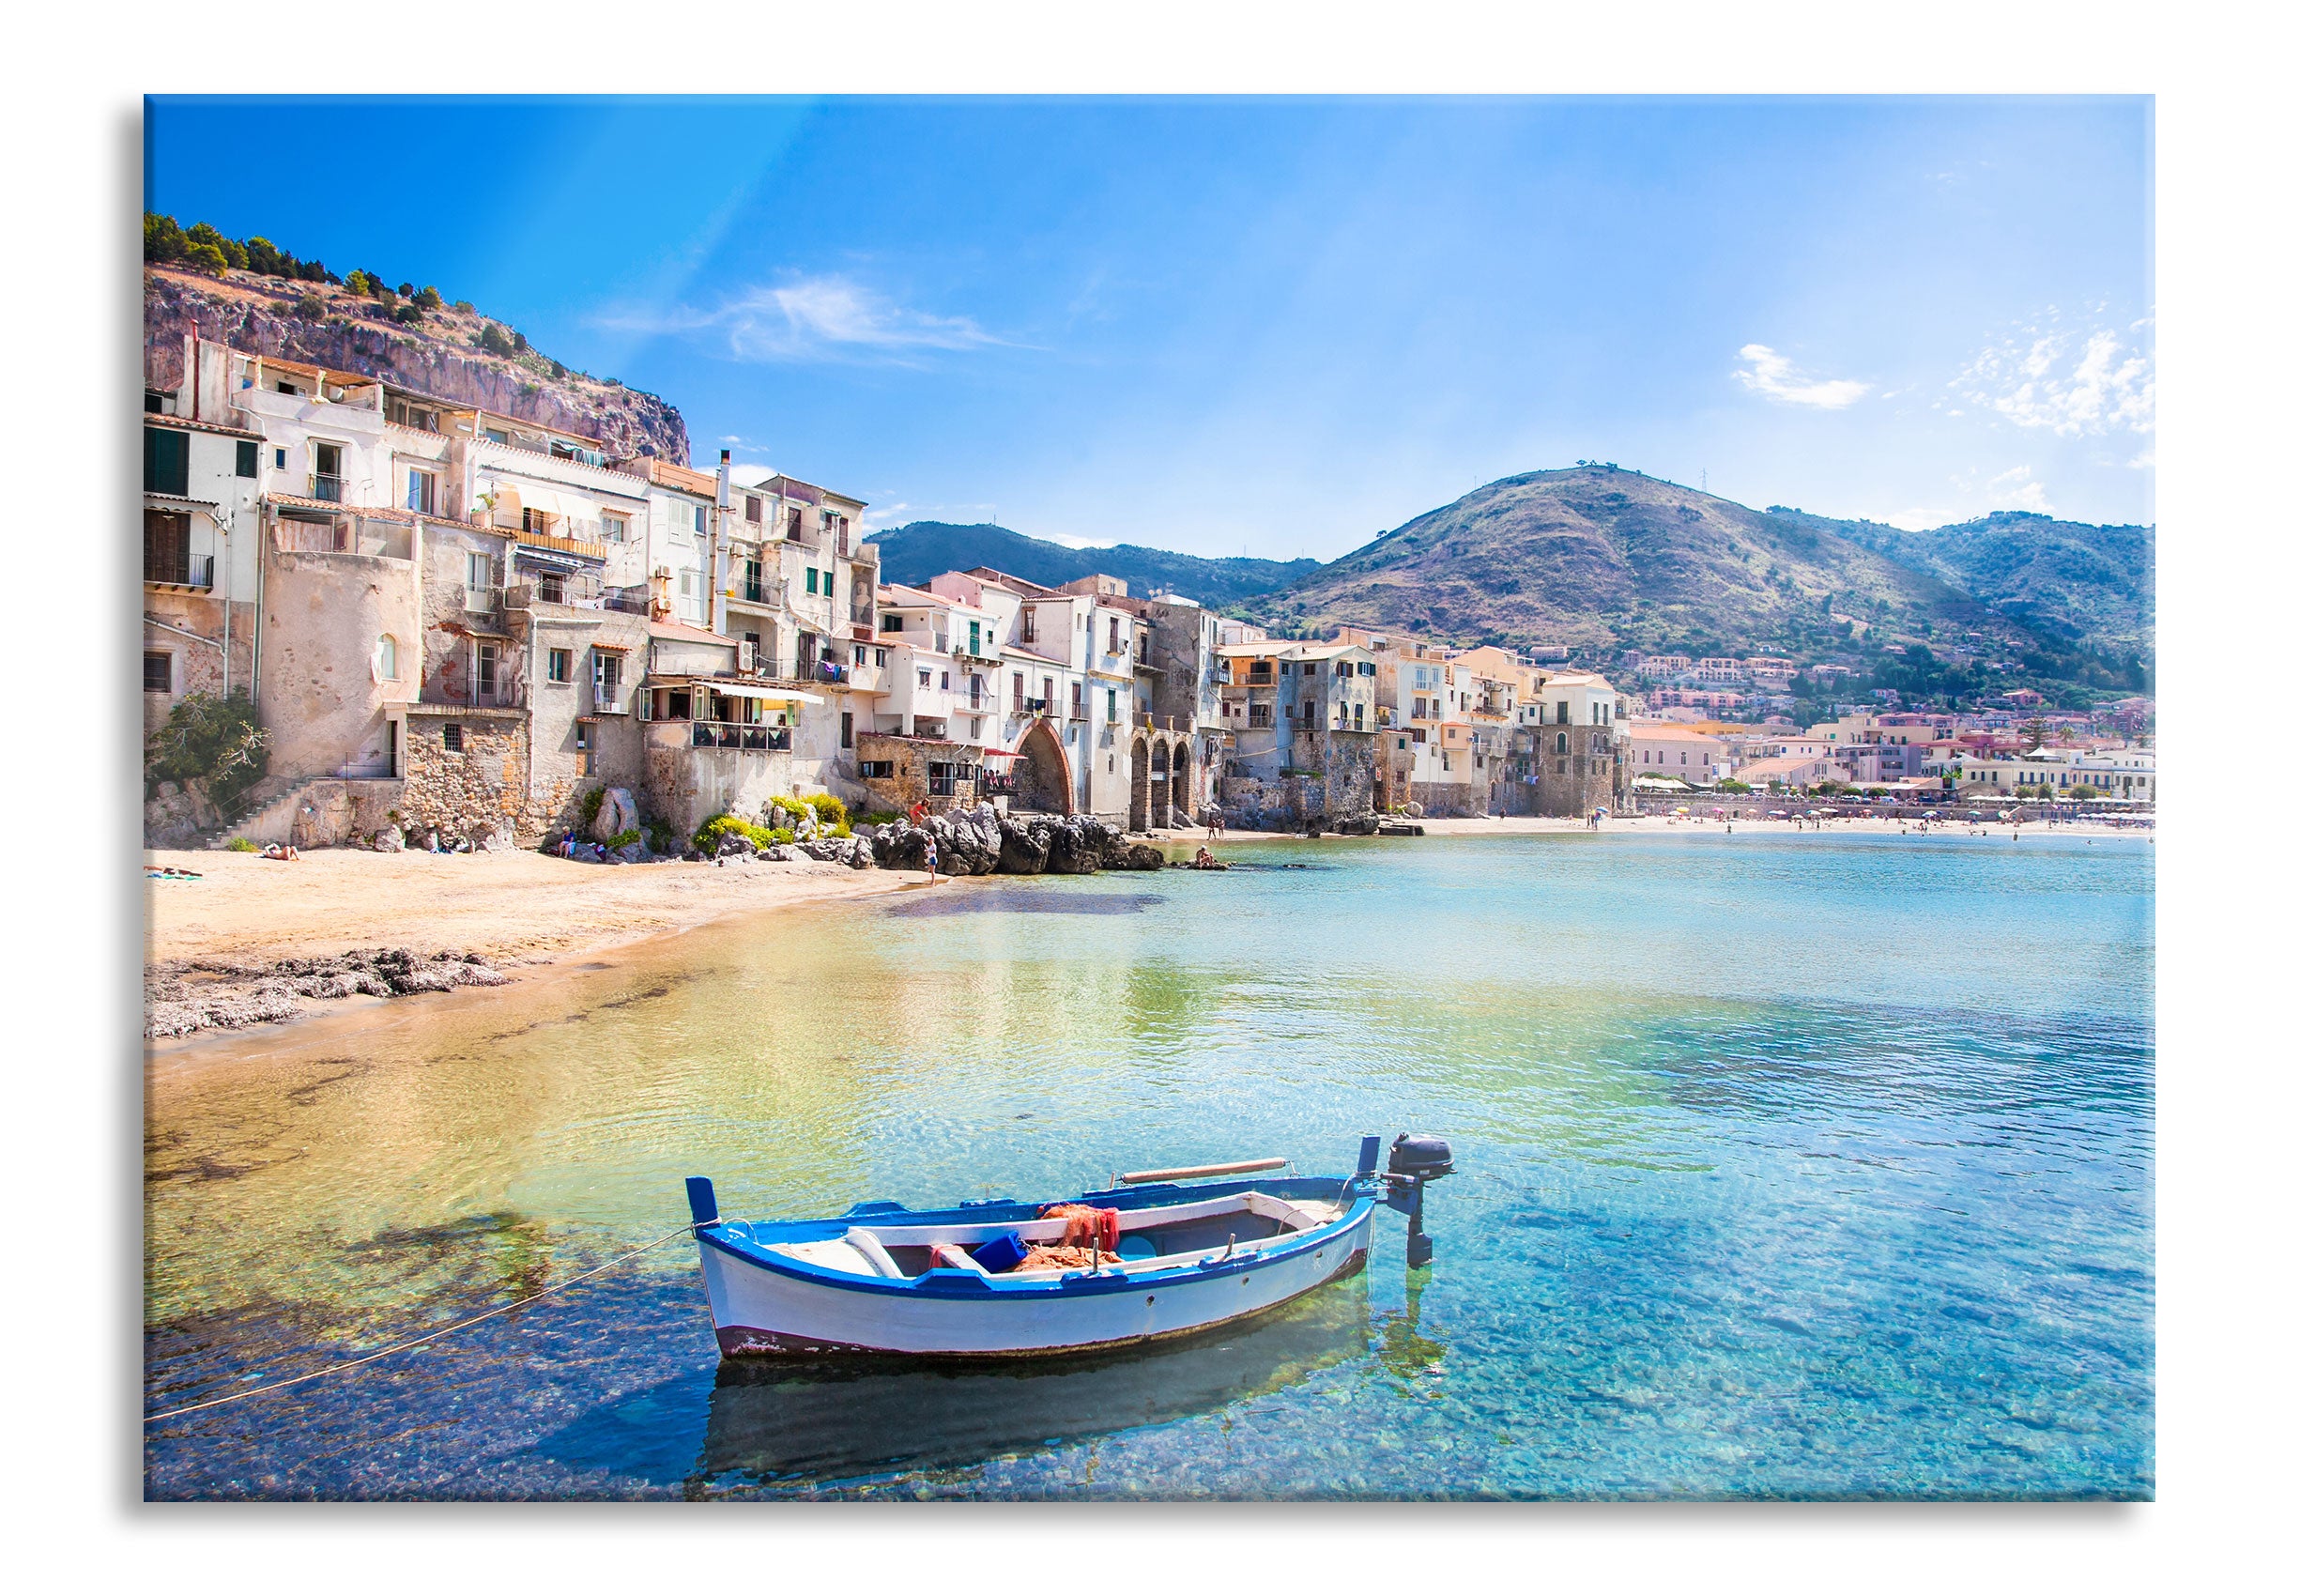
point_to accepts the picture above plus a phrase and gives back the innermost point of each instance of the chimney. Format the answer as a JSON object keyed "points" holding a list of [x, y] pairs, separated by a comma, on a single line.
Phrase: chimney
{"points": [[726, 458]]}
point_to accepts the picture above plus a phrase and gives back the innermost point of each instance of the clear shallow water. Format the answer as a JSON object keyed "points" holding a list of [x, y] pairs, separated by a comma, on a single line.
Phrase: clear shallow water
{"points": [[1792, 1165]]}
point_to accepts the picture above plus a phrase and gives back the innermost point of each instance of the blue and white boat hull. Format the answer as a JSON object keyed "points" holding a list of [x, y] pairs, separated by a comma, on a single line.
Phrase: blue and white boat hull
{"points": [[888, 1280]]}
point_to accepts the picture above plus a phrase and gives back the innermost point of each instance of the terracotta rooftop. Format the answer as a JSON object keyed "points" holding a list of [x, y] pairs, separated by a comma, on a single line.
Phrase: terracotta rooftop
{"points": [[187, 425]]}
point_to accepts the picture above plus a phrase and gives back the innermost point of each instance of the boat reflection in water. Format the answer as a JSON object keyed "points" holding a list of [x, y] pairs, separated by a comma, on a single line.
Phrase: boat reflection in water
{"points": [[790, 1421]]}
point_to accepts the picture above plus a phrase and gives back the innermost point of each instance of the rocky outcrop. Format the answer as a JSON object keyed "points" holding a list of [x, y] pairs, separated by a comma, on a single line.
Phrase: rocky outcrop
{"points": [[181, 999], [618, 812], [438, 355], [980, 841]]}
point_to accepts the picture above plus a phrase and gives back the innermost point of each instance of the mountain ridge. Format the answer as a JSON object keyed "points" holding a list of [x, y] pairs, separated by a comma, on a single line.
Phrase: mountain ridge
{"points": [[918, 551]]}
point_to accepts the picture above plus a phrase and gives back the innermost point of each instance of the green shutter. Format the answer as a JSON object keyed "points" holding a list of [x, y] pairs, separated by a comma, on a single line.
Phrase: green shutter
{"points": [[167, 461]]}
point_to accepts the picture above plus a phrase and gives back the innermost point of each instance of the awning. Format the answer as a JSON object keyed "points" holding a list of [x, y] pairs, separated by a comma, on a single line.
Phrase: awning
{"points": [[764, 695], [553, 559]]}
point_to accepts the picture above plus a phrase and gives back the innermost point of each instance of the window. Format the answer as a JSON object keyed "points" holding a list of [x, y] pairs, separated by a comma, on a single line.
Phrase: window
{"points": [[700, 524], [1111, 714], [155, 403], [422, 492], [451, 737], [946, 682], [606, 677], [614, 528], [167, 461], [753, 507], [846, 727], [551, 587], [894, 623], [327, 472], [1018, 691], [926, 677], [1030, 626], [876, 770], [1310, 667], [488, 656], [879, 657], [559, 666], [1114, 635], [586, 757], [1561, 742], [245, 462], [387, 658], [158, 672]]}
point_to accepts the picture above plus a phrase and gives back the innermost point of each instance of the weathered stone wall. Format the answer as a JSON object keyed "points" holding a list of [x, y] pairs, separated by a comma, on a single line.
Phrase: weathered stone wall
{"points": [[481, 790], [1455, 798], [197, 667], [324, 615], [684, 786], [1580, 781]]}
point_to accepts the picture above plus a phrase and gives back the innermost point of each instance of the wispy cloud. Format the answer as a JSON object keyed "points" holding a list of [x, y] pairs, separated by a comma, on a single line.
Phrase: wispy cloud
{"points": [[2075, 383], [2017, 489], [1772, 375], [816, 318]]}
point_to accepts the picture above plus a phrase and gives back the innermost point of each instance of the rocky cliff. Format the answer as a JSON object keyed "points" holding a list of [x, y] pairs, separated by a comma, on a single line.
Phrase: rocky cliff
{"points": [[323, 325]]}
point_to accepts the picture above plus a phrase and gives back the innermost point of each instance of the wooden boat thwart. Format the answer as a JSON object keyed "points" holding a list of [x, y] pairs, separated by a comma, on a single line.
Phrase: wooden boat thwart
{"points": [[960, 1282]]}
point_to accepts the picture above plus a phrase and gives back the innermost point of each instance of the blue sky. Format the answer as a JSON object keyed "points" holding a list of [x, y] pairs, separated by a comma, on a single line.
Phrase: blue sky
{"points": [[1279, 327]]}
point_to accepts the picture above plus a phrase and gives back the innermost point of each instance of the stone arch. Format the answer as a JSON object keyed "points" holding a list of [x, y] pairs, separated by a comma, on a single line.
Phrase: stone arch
{"points": [[1161, 783], [1178, 793], [1137, 801], [1042, 772]]}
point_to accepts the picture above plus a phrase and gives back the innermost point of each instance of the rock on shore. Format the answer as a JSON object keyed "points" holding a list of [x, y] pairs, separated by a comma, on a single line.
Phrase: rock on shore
{"points": [[980, 841], [231, 996]]}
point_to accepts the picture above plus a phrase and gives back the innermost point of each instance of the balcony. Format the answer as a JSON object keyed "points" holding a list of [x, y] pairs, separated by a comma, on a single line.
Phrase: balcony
{"points": [[748, 738], [581, 546], [1037, 706], [482, 601], [179, 570], [610, 698], [328, 489]]}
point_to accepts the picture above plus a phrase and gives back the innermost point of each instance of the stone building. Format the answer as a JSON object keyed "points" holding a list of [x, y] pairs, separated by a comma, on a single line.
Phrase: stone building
{"points": [[1576, 751]]}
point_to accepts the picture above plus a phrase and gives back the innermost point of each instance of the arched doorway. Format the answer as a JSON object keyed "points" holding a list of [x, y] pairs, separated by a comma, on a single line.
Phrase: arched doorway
{"points": [[1161, 786], [1178, 792], [1138, 800], [1041, 773]]}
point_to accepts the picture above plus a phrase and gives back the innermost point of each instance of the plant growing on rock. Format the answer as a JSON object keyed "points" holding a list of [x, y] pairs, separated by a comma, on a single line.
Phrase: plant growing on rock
{"points": [[240, 845], [209, 739]]}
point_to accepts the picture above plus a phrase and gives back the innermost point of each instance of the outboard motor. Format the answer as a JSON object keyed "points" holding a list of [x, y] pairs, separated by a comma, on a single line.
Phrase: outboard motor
{"points": [[1415, 1161]]}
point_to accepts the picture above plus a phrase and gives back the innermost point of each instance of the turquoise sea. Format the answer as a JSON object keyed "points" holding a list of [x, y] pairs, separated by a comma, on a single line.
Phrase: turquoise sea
{"points": [[1793, 1164]]}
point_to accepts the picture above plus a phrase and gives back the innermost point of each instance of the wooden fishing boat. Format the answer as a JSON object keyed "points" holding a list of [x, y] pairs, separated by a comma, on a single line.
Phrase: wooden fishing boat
{"points": [[1167, 1252]]}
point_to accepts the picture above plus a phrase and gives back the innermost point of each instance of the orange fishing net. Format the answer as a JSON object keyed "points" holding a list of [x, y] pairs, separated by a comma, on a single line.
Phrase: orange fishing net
{"points": [[1082, 1226], [1045, 1256]]}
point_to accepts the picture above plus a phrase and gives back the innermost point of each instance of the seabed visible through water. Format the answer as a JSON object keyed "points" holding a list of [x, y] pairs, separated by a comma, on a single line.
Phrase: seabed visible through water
{"points": [[1805, 1165]]}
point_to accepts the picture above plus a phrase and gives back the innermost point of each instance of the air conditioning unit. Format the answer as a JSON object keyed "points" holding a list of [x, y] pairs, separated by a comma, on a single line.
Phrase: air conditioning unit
{"points": [[746, 656]]}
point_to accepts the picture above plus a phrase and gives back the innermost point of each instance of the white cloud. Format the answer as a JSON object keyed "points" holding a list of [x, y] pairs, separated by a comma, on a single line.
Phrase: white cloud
{"points": [[2073, 384], [1770, 375], [2017, 490], [816, 318]]}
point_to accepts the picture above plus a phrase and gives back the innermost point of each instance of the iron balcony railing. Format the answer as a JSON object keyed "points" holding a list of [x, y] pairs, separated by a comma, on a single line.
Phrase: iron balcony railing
{"points": [[327, 488], [735, 735], [180, 571]]}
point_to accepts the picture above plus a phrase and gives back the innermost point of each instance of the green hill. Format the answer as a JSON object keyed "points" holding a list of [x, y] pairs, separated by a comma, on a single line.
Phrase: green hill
{"points": [[922, 550]]}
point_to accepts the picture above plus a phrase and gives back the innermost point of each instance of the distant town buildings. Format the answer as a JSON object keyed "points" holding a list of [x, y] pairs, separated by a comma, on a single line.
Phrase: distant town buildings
{"points": [[452, 620]]}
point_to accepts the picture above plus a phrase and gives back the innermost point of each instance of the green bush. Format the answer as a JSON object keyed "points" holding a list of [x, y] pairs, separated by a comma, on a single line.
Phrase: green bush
{"points": [[659, 837], [493, 339], [311, 307], [592, 800], [708, 835], [208, 259], [240, 845], [212, 740], [428, 297], [830, 813], [624, 838], [880, 818]]}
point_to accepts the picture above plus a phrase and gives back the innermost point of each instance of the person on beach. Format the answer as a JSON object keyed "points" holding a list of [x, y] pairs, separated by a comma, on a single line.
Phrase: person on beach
{"points": [[932, 861], [1214, 822], [283, 850]]}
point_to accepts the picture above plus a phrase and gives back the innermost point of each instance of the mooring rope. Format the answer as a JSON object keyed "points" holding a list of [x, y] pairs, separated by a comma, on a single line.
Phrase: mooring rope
{"points": [[420, 1341]]}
